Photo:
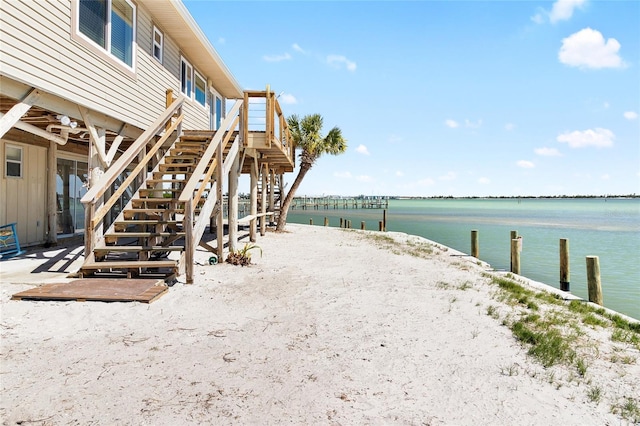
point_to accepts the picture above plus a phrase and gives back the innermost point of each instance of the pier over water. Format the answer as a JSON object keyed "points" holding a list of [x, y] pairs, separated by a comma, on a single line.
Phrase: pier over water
{"points": [[326, 203]]}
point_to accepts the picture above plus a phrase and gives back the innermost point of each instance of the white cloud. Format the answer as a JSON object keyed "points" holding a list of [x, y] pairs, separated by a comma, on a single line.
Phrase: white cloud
{"points": [[525, 164], [588, 49], [399, 173], [297, 48], [364, 178], [277, 58], [509, 126], [598, 137], [630, 115], [451, 123], [606, 105], [361, 149], [473, 125], [338, 61], [484, 181], [346, 175], [221, 40], [448, 176], [548, 152], [562, 10], [426, 182], [287, 99]]}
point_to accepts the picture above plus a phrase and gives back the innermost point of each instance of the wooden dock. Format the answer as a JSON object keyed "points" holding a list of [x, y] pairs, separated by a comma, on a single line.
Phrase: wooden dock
{"points": [[327, 203]]}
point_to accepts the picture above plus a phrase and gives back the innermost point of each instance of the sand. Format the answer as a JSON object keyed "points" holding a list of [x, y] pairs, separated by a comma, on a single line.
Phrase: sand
{"points": [[326, 327]]}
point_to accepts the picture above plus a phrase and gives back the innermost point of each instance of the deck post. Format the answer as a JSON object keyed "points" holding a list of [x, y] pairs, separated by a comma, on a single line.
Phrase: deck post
{"points": [[188, 240], [253, 197], [263, 200], [233, 204], [219, 213]]}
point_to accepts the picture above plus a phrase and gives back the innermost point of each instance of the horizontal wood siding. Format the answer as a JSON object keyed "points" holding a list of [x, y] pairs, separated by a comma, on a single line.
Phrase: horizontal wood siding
{"points": [[37, 49]]}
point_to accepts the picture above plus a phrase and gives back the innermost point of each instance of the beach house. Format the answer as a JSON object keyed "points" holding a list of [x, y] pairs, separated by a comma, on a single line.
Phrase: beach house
{"points": [[120, 122]]}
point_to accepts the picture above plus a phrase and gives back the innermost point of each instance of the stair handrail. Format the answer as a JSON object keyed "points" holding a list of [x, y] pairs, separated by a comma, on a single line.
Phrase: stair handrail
{"points": [[227, 125], [118, 166], [92, 197]]}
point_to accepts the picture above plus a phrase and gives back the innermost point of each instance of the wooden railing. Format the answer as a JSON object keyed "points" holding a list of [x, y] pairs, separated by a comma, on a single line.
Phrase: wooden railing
{"points": [[202, 175], [276, 127], [94, 212]]}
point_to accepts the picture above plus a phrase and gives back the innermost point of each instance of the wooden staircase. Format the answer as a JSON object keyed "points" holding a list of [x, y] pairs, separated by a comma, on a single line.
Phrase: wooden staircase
{"points": [[150, 227]]}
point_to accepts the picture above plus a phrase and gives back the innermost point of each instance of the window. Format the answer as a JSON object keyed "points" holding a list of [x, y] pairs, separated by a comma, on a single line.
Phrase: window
{"points": [[110, 24], [13, 161], [186, 77], [158, 40], [201, 89]]}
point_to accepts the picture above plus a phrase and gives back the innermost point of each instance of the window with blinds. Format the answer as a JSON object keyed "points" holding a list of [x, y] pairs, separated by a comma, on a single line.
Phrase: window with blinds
{"points": [[111, 25]]}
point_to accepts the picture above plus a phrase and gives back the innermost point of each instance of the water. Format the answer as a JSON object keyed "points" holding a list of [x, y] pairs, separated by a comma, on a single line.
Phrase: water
{"points": [[608, 228]]}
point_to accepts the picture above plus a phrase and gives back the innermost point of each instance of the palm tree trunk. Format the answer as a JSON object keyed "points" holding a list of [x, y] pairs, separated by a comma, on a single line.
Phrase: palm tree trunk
{"points": [[284, 209]]}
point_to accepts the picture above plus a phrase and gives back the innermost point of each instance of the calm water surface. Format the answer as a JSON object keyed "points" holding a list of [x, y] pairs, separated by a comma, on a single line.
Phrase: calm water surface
{"points": [[608, 228]]}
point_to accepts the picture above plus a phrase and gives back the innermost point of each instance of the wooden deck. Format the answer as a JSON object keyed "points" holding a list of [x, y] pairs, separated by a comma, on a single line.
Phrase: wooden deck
{"points": [[98, 289]]}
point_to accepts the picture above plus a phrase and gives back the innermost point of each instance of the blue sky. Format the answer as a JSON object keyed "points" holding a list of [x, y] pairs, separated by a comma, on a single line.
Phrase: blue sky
{"points": [[462, 98]]}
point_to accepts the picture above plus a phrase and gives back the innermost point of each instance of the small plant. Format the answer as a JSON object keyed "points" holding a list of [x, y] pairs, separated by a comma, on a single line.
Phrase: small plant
{"points": [[581, 365], [594, 394], [510, 370], [242, 257], [492, 311]]}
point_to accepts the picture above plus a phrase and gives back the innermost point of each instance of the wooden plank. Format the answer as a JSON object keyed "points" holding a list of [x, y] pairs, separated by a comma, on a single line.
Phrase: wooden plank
{"points": [[98, 289], [131, 264], [17, 111]]}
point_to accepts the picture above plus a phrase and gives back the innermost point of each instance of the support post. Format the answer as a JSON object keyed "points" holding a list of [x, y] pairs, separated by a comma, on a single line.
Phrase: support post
{"points": [[263, 200], [380, 226], [219, 211], [475, 245], [593, 280], [384, 220], [188, 241], [341, 223], [253, 200], [310, 221], [233, 204], [52, 205], [515, 256], [326, 221], [565, 272], [362, 225]]}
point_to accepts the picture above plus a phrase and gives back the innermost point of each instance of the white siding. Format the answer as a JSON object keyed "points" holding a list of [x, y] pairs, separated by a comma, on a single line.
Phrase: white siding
{"points": [[30, 189], [38, 50]]}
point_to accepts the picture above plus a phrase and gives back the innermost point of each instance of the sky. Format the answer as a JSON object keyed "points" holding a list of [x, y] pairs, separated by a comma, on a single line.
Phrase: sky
{"points": [[449, 98]]}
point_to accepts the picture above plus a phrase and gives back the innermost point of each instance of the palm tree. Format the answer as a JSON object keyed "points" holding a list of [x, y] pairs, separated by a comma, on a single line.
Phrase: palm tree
{"points": [[306, 137]]}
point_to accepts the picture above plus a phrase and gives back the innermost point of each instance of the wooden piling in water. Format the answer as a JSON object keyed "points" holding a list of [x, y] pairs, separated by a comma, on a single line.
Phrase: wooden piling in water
{"points": [[475, 246], [515, 256], [310, 221], [384, 220], [565, 272], [349, 224], [513, 236], [362, 225], [380, 226], [593, 280], [341, 223], [326, 221]]}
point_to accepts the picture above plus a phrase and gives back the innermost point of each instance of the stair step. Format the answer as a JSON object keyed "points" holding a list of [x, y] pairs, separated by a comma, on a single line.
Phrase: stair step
{"points": [[174, 168], [143, 234], [134, 249], [146, 222], [131, 264], [154, 201]]}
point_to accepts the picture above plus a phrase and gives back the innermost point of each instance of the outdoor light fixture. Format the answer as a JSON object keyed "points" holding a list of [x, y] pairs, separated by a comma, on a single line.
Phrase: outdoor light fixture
{"points": [[64, 120]]}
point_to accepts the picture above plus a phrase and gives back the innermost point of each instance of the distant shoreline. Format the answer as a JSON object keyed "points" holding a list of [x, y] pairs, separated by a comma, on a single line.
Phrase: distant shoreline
{"points": [[474, 197]]}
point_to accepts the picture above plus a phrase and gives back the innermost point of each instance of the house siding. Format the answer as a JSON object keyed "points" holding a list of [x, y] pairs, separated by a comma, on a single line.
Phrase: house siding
{"points": [[46, 57]]}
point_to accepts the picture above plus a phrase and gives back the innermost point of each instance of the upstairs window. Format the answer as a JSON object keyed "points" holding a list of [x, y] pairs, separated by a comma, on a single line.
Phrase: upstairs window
{"points": [[186, 78], [201, 89], [110, 24], [158, 41], [13, 161]]}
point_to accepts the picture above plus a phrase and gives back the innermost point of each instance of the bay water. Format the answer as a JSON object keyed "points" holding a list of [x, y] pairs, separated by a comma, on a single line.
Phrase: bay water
{"points": [[605, 227]]}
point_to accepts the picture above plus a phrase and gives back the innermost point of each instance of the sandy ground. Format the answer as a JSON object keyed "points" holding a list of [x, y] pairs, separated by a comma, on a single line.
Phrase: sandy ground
{"points": [[327, 327]]}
